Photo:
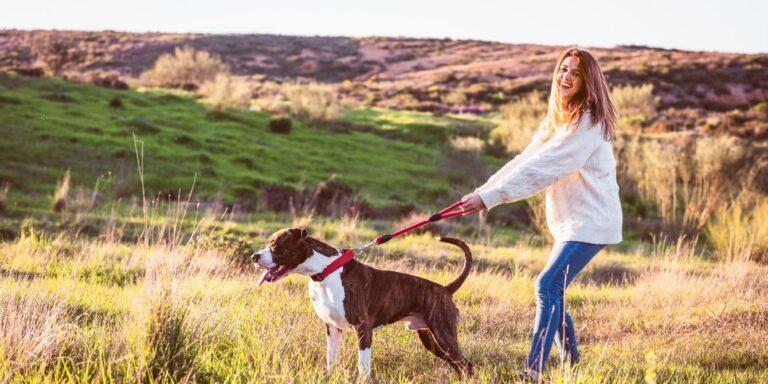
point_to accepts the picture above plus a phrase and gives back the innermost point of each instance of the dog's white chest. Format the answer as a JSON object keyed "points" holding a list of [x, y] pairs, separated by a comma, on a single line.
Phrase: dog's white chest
{"points": [[328, 301]]}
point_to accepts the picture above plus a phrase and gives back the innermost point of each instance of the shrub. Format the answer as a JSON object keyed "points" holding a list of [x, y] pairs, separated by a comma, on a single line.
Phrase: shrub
{"points": [[280, 124], [110, 81], [116, 102], [173, 346], [56, 52], [404, 100], [760, 107], [312, 101], [635, 100], [739, 231], [686, 181], [225, 92], [185, 66], [520, 119], [456, 97]]}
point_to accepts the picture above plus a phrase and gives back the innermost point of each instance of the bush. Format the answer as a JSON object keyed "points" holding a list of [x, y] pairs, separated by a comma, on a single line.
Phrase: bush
{"points": [[739, 231], [110, 81], [225, 92], [760, 107], [280, 125], [116, 102], [685, 181], [185, 66], [173, 346], [635, 100], [457, 97], [520, 119], [56, 52], [312, 101]]}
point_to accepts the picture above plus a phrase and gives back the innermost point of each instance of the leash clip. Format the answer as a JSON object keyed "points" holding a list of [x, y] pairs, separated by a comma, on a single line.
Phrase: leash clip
{"points": [[364, 248]]}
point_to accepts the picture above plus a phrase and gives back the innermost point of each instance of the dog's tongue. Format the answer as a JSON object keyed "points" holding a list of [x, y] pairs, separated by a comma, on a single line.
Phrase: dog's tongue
{"points": [[273, 274], [263, 278]]}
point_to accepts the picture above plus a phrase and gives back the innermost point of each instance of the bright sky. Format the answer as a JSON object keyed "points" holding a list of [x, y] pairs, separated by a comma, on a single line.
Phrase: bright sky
{"points": [[711, 25]]}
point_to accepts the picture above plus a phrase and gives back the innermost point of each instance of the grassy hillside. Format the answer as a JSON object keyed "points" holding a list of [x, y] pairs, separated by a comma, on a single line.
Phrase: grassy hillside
{"points": [[710, 91], [49, 126], [115, 289]]}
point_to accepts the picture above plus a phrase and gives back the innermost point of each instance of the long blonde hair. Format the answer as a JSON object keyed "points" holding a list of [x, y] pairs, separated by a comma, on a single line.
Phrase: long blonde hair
{"points": [[594, 96]]}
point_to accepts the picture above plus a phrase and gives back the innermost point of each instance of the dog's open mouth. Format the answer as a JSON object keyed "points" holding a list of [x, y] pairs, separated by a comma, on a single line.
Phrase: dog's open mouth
{"points": [[273, 274]]}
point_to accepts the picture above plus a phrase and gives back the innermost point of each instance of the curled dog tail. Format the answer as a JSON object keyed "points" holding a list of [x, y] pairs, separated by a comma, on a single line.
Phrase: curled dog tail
{"points": [[456, 284]]}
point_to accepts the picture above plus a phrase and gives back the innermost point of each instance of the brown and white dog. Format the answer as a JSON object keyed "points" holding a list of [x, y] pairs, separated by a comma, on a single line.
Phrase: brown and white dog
{"points": [[360, 299]]}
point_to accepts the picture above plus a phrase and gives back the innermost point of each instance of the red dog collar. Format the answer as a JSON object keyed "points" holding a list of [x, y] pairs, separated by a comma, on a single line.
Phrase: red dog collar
{"points": [[346, 256]]}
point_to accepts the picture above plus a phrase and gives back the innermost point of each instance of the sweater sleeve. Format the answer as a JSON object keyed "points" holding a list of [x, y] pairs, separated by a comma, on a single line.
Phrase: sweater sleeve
{"points": [[536, 142], [560, 156]]}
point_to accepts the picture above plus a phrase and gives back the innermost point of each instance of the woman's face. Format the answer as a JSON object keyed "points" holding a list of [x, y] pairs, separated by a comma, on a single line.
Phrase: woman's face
{"points": [[570, 78]]}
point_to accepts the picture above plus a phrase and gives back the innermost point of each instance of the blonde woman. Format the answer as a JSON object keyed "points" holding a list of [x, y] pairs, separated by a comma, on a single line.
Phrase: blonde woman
{"points": [[571, 158]]}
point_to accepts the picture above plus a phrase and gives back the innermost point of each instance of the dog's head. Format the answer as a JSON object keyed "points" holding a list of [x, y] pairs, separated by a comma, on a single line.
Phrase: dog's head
{"points": [[291, 250]]}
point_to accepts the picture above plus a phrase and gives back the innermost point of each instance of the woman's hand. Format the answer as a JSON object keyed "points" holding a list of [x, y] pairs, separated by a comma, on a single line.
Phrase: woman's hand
{"points": [[472, 204]]}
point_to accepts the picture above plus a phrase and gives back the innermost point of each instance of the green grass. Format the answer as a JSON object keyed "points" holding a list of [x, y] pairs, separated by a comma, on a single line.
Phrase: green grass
{"points": [[49, 126], [419, 127]]}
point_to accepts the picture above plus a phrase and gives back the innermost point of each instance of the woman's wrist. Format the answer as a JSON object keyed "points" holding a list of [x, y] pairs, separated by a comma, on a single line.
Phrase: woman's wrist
{"points": [[490, 198]]}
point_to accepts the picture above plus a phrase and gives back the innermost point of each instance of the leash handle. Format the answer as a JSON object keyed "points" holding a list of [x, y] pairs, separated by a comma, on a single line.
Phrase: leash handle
{"points": [[444, 214]]}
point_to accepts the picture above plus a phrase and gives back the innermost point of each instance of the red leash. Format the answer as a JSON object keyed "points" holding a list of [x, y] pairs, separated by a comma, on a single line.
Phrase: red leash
{"points": [[349, 254], [444, 214]]}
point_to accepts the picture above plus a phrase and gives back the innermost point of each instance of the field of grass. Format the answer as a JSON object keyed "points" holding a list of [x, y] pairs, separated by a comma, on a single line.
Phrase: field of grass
{"points": [[116, 289], [95, 310]]}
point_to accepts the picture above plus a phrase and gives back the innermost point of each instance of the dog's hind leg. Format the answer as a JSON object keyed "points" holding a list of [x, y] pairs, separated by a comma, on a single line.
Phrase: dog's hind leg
{"points": [[333, 337], [431, 345], [364, 338], [447, 341], [457, 361], [444, 329]]}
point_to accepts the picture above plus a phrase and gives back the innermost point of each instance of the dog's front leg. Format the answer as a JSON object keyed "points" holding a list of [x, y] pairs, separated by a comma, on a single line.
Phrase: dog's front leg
{"points": [[333, 337], [365, 337]]}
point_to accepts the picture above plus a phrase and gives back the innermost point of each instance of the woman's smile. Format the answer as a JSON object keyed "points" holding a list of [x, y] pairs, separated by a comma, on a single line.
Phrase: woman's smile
{"points": [[570, 77]]}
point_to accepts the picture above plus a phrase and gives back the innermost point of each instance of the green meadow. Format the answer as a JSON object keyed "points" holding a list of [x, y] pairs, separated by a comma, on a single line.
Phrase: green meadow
{"points": [[49, 126], [143, 273]]}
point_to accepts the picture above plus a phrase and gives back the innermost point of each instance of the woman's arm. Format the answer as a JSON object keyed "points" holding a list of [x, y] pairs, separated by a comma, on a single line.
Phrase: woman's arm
{"points": [[562, 155], [473, 203], [536, 142]]}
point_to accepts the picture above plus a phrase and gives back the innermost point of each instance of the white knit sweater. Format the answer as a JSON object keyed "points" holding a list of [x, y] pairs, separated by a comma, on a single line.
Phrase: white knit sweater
{"points": [[578, 170]]}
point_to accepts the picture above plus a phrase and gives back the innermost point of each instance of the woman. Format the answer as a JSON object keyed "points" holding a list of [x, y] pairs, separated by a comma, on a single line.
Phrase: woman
{"points": [[571, 157]]}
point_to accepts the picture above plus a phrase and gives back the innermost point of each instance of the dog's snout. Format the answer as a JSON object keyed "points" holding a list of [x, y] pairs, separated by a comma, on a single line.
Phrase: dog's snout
{"points": [[255, 257]]}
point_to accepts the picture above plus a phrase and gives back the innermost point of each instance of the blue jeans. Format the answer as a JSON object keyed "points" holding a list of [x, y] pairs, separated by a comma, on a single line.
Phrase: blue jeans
{"points": [[553, 322]]}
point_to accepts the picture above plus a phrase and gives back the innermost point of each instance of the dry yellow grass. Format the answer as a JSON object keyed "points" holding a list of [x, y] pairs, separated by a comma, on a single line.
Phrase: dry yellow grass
{"points": [[94, 310]]}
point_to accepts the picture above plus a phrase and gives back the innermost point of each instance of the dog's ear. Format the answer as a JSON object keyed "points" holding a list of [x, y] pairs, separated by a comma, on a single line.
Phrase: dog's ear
{"points": [[298, 233]]}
